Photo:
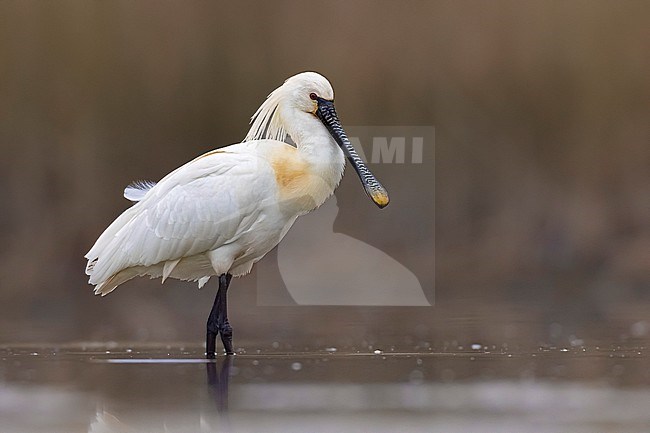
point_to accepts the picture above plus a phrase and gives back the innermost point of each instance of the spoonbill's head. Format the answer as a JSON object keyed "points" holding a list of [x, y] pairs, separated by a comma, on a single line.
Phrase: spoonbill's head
{"points": [[299, 91], [309, 92]]}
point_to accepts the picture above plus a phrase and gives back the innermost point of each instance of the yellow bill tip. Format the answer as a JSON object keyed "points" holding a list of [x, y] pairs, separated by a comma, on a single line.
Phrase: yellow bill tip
{"points": [[380, 198]]}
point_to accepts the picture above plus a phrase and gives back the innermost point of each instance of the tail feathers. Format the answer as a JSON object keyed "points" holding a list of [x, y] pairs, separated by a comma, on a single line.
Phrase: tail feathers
{"points": [[106, 287], [90, 266], [109, 234], [197, 268], [112, 262]]}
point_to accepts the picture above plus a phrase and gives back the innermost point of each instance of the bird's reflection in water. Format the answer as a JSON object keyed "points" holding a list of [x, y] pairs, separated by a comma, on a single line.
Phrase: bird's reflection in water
{"points": [[218, 381], [125, 421]]}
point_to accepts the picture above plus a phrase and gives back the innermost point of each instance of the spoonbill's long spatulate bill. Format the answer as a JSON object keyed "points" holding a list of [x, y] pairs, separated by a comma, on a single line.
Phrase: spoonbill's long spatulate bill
{"points": [[375, 190]]}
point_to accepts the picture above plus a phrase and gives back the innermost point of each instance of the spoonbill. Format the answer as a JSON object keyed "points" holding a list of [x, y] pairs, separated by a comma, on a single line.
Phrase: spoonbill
{"points": [[220, 213]]}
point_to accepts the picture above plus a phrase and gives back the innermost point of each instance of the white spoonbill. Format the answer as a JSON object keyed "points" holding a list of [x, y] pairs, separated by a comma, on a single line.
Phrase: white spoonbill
{"points": [[222, 212]]}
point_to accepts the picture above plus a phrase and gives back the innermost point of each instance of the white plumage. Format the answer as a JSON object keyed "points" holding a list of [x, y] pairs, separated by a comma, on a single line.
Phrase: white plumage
{"points": [[223, 211]]}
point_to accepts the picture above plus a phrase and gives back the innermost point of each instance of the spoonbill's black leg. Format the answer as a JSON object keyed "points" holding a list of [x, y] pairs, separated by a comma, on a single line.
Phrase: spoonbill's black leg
{"points": [[218, 320]]}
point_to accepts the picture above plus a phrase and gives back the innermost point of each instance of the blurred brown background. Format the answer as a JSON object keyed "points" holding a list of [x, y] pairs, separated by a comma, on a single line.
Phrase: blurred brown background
{"points": [[542, 185]]}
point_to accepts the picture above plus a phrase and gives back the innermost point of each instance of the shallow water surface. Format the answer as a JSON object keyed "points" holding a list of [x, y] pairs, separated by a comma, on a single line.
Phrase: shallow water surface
{"points": [[120, 388]]}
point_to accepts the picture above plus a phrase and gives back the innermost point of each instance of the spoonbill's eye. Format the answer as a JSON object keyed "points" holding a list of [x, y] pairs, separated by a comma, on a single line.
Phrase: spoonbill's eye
{"points": [[313, 96]]}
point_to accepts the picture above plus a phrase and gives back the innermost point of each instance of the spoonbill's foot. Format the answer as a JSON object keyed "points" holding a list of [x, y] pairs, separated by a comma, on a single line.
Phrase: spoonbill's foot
{"points": [[226, 338]]}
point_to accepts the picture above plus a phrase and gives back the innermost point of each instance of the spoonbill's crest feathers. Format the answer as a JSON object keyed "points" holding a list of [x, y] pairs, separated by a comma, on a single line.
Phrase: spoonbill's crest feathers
{"points": [[267, 122]]}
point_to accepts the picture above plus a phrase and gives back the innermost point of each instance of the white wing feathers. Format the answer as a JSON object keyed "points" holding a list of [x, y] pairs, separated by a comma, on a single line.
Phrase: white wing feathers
{"points": [[137, 190], [197, 208], [168, 268]]}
